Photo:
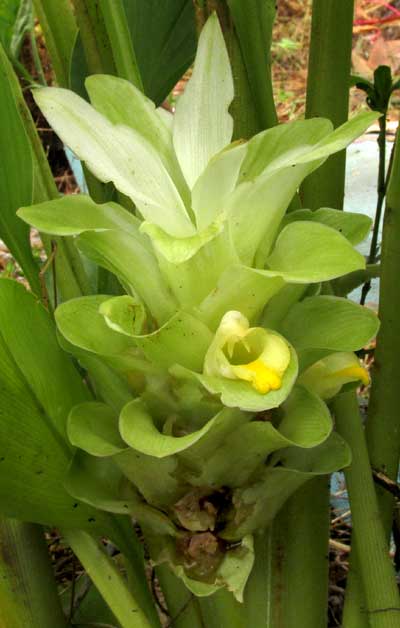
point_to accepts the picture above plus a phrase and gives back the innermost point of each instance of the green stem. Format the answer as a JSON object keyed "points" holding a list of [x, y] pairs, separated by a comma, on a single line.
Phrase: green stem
{"points": [[369, 539], [253, 22], [36, 58], [59, 28], [183, 606], [221, 609], [328, 93], [107, 579], [96, 44], [379, 205], [300, 565], [121, 43], [28, 593], [383, 422]]}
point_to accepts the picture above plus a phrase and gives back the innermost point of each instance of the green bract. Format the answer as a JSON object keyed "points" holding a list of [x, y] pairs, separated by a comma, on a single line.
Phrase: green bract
{"points": [[202, 426]]}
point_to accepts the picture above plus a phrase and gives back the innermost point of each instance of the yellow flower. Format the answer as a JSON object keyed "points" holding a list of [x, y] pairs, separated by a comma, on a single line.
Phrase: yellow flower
{"points": [[327, 376], [251, 354]]}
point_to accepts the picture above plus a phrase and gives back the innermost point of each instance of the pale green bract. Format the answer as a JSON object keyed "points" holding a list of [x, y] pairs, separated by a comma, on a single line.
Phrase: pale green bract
{"points": [[202, 426]]}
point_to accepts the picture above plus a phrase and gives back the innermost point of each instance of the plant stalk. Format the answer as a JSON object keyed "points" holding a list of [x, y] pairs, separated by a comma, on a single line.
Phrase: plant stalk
{"points": [[36, 58], [28, 593], [369, 543], [59, 28], [121, 43], [299, 593], [381, 187], [328, 93], [95, 40], [383, 424]]}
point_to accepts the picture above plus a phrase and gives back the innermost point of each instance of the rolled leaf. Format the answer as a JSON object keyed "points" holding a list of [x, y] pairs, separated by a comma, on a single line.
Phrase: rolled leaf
{"points": [[202, 124]]}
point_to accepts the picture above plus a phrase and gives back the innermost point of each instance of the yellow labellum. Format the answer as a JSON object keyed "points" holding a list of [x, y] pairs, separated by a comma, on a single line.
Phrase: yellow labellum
{"points": [[262, 377], [356, 372]]}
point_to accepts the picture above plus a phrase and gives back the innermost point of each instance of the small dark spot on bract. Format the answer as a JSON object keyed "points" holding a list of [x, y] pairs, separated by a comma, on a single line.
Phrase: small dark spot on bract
{"points": [[39, 472], [91, 519], [75, 505], [2, 459]]}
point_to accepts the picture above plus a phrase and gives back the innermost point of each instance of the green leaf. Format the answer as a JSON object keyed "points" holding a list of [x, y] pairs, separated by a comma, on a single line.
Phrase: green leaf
{"points": [[155, 478], [119, 154], [306, 423], [341, 137], [122, 103], [202, 124], [277, 161], [225, 423], [39, 386], [23, 24], [214, 185], [16, 19], [81, 323], [138, 431], [100, 483], [16, 175], [309, 252], [239, 288], [344, 285], [109, 386], [76, 213], [280, 304], [258, 504], [359, 81], [8, 15], [354, 227], [169, 46], [182, 340], [93, 427], [282, 146], [192, 267], [135, 266], [327, 322], [256, 208], [180, 250], [124, 314]]}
